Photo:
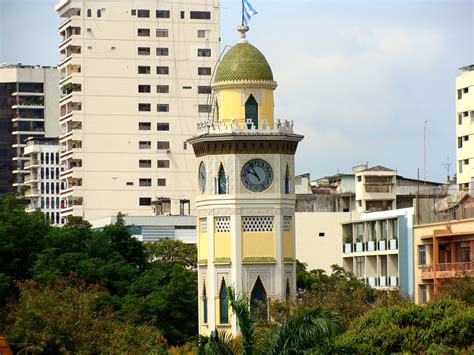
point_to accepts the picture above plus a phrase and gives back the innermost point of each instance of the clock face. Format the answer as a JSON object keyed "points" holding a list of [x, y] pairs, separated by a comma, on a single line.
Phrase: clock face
{"points": [[257, 175], [202, 177]]}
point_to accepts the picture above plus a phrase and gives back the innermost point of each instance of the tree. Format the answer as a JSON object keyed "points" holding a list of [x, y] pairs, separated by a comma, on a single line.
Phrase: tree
{"points": [[69, 317], [22, 237], [169, 250], [443, 324], [165, 294]]}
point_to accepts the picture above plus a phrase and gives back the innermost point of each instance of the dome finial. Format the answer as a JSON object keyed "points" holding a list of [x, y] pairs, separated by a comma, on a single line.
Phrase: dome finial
{"points": [[243, 29]]}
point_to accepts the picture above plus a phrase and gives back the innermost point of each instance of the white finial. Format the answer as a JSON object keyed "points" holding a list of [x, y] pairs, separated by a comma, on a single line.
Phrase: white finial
{"points": [[243, 30]]}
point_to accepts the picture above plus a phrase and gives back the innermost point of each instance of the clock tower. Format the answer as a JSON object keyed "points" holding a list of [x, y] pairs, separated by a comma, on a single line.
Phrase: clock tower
{"points": [[246, 197]]}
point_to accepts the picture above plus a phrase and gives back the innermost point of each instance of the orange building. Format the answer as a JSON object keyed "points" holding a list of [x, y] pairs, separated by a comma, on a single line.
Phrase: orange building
{"points": [[443, 250]]}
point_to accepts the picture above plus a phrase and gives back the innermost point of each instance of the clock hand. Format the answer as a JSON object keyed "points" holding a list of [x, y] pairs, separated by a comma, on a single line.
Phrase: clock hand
{"points": [[255, 174]]}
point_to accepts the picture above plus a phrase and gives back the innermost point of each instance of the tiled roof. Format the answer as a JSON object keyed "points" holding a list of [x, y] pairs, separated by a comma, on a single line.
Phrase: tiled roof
{"points": [[243, 62]]}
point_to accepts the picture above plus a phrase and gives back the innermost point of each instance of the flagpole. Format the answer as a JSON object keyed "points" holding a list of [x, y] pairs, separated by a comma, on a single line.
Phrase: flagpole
{"points": [[242, 12]]}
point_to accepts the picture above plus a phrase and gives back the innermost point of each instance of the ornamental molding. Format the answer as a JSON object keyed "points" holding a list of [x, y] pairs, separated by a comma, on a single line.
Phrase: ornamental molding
{"points": [[204, 213], [222, 274], [266, 274], [223, 212], [245, 94], [257, 212], [244, 84]]}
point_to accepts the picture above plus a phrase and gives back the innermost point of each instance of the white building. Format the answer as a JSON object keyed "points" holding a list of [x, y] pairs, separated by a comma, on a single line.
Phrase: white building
{"points": [[465, 129], [378, 248], [43, 178], [29, 97], [136, 81]]}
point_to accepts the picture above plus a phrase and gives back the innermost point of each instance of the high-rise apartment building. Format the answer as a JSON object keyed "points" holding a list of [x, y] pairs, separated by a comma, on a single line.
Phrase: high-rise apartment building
{"points": [[42, 182], [136, 81], [28, 108], [465, 128]]}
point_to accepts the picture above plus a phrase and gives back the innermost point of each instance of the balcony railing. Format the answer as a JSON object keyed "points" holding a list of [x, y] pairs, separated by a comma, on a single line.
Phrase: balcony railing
{"points": [[446, 270]]}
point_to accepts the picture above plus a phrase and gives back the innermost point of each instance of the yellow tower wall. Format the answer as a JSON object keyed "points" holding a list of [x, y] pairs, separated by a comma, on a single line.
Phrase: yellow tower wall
{"points": [[231, 106], [258, 244], [221, 245]]}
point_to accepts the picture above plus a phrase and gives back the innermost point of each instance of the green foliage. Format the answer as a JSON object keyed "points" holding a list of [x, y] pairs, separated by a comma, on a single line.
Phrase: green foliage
{"points": [[411, 328], [22, 237], [168, 250], [341, 291], [460, 288], [245, 320], [68, 317]]}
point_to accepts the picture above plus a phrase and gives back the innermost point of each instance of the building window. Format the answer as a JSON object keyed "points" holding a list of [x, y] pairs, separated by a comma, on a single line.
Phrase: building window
{"points": [[251, 110], [144, 201], [204, 299], [144, 145], [201, 33], [143, 13], [465, 90], [424, 294], [421, 255], [222, 224], [459, 94], [204, 108], [258, 301], [144, 88], [144, 126], [99, 13], [144, 107], [163, 108], [204, 52], [134, 12], [163, 163], [200, 15], [162, 89], [287, 180], [143, 32], [89, 13], [163, 145], [460, 163], [163, 126], [143, 51], [221, 181], [162, 51], [161, 182], [204, 89], [162, 13], [223, 304], [144, 182], [257, 224], [360, 266], [162, 70], [144, 163], [185, 145], [143, 69], [204, 71], [161, 32]]}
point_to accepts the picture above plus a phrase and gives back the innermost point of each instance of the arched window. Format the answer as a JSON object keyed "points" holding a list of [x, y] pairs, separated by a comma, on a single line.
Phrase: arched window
{"points": [[287, 180], [258, 301], [223, 305], [204, 303], [288, 289], [99, 13], [216, 111], [89, 13], [221, 181], [251, 110]]}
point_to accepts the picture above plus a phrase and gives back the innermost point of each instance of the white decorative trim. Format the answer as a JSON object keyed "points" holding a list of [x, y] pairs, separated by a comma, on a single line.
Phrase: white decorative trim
{"points": [[219, 276], [244, 85], [258, 211], [266, 273], [245, 94]]}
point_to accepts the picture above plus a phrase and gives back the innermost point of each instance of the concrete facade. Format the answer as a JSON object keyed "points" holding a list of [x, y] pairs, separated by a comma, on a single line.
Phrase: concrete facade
{"points": [[465, 129], [318, 238], [28, 108], [42, 182], [135, 81]]}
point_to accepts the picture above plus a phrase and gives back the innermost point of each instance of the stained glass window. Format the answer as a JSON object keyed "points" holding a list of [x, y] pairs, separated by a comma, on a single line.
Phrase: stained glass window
{"points": [[251, 110]]}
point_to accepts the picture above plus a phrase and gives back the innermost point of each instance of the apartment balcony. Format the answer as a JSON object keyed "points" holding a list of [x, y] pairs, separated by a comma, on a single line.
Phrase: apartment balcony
{"points": [[68, 109], [30, 193], [27, 119], [31, 164], [30, 179], [72, 73], [33, 132], [24, 93], [66, 9], [70, 93], [70, 41], [73, 136]]}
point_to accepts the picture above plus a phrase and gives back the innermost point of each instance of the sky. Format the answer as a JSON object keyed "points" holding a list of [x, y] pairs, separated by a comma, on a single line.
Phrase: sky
{"points": [[360, 79]]}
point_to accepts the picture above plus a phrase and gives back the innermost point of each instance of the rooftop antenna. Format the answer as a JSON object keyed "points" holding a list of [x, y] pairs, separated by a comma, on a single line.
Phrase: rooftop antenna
{"points": [[447, 166], [424, 155]]}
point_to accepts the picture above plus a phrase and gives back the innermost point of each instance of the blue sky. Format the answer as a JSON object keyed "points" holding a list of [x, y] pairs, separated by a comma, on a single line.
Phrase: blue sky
{"points": [[359, 78]]}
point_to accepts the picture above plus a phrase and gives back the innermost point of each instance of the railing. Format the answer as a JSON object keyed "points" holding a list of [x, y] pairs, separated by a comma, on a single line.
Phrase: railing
{"points": [[234, 126], [466, 266]]}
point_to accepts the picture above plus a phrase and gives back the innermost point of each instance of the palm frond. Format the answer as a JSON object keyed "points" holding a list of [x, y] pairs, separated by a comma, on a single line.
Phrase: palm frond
{"points": [[218, 343], [244, 317], [306, 329]]}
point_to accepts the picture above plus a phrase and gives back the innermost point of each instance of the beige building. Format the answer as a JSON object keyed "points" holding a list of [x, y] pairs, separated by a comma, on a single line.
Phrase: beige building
{"points": [[465, 129], [318, 238], [135, 81], [29, 97]]}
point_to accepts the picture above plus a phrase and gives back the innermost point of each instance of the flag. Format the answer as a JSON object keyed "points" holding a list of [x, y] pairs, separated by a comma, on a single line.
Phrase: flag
{"points": [[247, 12]]}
